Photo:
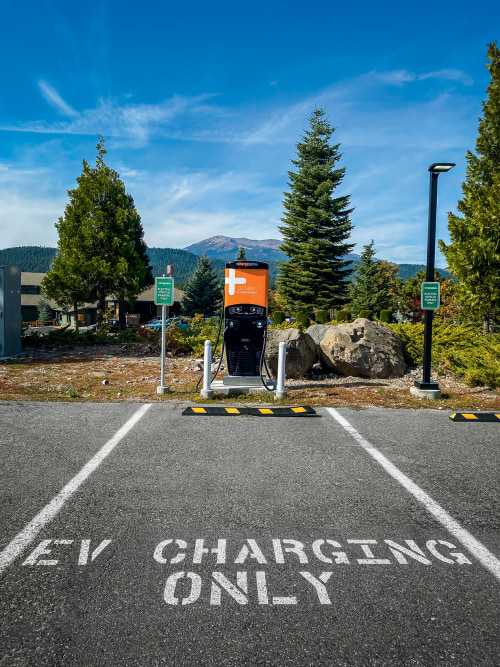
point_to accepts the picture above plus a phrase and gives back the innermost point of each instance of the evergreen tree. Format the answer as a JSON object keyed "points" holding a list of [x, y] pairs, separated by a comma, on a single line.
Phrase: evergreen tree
{"points": [[316, 225], [101, 241], [241, 253], [371, 284], [44, 310], [203, 292], [474, 252]]}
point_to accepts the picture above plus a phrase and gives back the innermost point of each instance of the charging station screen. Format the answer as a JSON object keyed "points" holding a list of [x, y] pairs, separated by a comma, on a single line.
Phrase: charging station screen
{"points": [[246, 282]]}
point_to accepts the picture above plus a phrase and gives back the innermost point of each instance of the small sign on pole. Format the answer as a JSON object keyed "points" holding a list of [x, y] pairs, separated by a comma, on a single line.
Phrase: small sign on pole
{"points": [[164, 291], [430, 296]]}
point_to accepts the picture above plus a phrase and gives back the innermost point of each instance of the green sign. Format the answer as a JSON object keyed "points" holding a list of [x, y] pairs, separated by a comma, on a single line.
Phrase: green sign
{"points": [[430, 296], [164, 291]]}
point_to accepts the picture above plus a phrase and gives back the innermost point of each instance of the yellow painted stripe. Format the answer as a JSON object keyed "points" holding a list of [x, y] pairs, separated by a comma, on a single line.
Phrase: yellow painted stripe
{"points": [[265, 411], [497, 416], [453, 415], [233, 411], [200, 410], [299, 409], [470, 416]]}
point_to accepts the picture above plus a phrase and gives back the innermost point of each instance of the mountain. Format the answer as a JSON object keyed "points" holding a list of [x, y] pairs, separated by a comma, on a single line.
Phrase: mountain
{"points": [[219, 248], [226, 248]]}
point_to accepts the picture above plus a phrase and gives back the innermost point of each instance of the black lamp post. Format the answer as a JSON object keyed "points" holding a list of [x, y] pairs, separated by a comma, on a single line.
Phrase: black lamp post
{"points": [[435, 169]]}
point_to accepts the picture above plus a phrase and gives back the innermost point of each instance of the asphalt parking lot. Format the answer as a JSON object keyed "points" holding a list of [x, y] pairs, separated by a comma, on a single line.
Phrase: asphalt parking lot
{"points": [[135, 535]]}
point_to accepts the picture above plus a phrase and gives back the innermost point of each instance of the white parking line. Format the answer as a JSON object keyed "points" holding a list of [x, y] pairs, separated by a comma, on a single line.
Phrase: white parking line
{"points": [[29, 533], [478, 550]]}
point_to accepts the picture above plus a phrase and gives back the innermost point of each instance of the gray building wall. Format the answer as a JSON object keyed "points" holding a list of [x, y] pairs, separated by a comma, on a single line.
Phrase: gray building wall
{"points": [[10, 311]]}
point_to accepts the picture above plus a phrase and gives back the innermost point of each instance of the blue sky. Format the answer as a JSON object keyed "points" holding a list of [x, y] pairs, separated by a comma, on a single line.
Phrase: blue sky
{"points": [[202, 105]]}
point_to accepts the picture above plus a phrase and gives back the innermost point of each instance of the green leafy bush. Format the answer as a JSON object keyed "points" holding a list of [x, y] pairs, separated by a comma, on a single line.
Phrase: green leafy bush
{"points": [[303, 320], [278, 317], [386, 316], [322, 316], [367, 314], [343, 316], [461, 349]]}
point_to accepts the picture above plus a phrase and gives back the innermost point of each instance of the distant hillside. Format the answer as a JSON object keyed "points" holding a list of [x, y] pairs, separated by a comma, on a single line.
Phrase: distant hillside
{"points": [[39, 258], [408, 270], [184, 263]]}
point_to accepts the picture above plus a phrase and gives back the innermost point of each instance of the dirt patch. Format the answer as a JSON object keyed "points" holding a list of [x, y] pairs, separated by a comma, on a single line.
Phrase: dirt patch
{"points": [[132, 373]]}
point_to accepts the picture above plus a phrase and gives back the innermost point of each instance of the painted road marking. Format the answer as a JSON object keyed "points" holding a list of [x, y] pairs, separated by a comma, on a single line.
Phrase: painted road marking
{"points": [[475, 416], [478, 550], [50, 511], [217, 411]]}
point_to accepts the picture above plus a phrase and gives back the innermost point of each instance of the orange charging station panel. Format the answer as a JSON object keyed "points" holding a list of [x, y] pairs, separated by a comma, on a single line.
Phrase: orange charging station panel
{"points": [[245, 314]]}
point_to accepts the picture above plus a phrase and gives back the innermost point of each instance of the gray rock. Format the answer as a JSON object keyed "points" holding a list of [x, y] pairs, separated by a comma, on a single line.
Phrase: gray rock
{"points": [[317, 331], [363, 349], [301, 351]]}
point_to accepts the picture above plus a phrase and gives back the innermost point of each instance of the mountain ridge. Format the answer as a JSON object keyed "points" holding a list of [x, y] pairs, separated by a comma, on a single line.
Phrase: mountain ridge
{"points": [[218, 248]]}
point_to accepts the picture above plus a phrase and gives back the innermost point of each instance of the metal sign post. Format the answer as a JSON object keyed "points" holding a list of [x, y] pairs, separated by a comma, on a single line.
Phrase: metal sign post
{"points": [[164, 296]]}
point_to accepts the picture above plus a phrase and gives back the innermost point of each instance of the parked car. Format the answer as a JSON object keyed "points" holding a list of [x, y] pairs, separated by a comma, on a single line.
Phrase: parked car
{"points": [[181, 322]]}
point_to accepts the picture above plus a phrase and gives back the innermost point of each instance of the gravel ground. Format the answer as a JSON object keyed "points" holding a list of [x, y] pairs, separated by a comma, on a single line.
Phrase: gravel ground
{"points": [[132, 373]]}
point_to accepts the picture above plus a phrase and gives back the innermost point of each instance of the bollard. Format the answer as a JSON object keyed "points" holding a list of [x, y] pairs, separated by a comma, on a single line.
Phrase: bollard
{"points": [[206, 392], [280, 384]]}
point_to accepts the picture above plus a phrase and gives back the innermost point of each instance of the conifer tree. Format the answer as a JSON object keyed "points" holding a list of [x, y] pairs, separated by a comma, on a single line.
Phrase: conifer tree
{"points": [[370, 287], [316, 225], [241, 254], [474, 252], [101, 242], [203, 291]]}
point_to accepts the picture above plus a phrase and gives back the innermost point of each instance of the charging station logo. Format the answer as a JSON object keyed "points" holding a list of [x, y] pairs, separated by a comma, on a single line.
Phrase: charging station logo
{"points": [[232, 281]]}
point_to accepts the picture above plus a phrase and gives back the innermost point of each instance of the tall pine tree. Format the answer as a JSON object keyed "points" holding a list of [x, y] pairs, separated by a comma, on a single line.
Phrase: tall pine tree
{"points": [[203, 292], [474, 252], [101, 249], [316, 225]]}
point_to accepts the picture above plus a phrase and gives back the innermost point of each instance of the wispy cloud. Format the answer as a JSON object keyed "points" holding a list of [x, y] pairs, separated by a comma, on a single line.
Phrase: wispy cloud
{"points": [[402, 76], [449, 75], [55, 100], [137, 122]]}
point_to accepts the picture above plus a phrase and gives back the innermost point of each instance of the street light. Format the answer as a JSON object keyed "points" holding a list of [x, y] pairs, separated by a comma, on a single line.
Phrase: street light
{"points": [[425, 387]]}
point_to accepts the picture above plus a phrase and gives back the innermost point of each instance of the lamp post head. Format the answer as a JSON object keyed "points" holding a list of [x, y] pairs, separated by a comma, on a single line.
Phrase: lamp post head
{"points": [[440, 167]]}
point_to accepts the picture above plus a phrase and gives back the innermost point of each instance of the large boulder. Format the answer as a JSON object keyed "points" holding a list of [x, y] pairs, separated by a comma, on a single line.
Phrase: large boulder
{"points": [[317, 332], [363, 349], [301, 352]]}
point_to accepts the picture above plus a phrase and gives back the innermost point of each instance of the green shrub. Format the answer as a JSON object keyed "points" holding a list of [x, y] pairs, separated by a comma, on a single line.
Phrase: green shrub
{"points": [[278, 317], [322, 316], [366, 314], [461, 349], [386, 316], [303, 320], [343, 316], [128, 336]]}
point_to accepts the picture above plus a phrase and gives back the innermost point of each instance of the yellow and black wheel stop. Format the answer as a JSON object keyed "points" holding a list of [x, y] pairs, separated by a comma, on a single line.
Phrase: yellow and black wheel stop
{"points": [[215, 411], [475, 417]]}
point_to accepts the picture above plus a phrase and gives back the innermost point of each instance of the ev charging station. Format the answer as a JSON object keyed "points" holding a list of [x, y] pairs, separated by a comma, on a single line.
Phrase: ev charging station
{"points": [[245, 314], [245, 321]]}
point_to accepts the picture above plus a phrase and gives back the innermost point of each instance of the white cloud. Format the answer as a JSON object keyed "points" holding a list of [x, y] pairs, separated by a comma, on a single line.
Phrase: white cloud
{"points": [[136, 122], [55, 100]]}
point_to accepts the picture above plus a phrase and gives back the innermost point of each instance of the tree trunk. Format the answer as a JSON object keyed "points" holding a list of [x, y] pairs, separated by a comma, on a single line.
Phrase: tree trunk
{"points": [[486, 323], [122, 320], [101, 305], [77, 325]]}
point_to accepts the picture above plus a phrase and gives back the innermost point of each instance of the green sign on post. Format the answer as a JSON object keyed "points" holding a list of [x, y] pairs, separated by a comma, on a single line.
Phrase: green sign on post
{"points": [[430, 296], [164, 291]]}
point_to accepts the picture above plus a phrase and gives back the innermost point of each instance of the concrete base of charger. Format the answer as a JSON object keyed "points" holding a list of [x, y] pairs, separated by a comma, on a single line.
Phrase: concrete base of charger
{"points": [[219, 387], [426, 393]]}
